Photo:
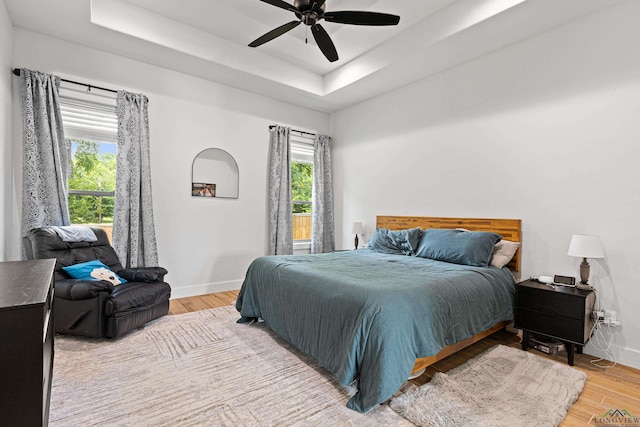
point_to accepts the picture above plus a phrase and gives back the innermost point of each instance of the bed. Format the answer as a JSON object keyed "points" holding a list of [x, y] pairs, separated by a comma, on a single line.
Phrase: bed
{"points": [[377, 317]]}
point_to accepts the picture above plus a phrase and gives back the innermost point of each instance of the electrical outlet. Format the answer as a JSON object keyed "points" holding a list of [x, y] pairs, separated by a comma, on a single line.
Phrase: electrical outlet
{"points": [[606, 317], [610, 316]]}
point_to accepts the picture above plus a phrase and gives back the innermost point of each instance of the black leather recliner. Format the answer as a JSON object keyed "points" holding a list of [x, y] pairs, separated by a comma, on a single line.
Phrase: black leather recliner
{"points": [[97, 308]]}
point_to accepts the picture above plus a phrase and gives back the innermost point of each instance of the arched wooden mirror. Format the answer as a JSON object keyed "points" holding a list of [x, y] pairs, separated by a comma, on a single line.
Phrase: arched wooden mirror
{"points": [[214, 173]]}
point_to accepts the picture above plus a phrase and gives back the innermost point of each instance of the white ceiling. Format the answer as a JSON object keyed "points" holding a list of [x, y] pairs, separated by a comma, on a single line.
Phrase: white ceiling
{"points": [[209, 39]]}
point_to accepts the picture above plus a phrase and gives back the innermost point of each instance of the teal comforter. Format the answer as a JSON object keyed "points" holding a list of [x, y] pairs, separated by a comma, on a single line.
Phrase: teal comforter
{"points": [[367, 316]]}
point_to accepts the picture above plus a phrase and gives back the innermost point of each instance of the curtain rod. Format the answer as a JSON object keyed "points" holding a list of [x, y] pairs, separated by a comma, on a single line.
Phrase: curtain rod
{"points": [[17, 72], [295, 130]]}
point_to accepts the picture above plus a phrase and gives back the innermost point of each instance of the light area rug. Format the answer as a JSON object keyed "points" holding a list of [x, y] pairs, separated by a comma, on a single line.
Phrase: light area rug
{"points": [[198, 369], [502, 387]]}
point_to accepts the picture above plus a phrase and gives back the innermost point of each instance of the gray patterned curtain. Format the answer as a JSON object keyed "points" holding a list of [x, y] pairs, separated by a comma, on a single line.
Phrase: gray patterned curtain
{"points": [[134, 236], [46, 153], [323, 228], [280, 216]]}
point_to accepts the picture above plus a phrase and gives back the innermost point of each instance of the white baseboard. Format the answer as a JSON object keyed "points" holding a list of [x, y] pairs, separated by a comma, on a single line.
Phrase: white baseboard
{"points": [[207, 288], [623, 355]]}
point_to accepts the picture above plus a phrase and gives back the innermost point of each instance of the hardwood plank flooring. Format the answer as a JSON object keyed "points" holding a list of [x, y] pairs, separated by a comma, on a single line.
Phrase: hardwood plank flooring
{"points": [[605, 389], [201, 302]]}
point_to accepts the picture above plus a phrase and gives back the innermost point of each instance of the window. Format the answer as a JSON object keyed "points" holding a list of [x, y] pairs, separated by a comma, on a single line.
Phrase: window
{"points": [[301, 187], [92, 182], [91, 131]]}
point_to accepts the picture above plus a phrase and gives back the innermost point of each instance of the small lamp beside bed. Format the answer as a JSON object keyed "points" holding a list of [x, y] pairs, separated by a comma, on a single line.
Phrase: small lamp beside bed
{"points": [[357, 228], [585, 246]]}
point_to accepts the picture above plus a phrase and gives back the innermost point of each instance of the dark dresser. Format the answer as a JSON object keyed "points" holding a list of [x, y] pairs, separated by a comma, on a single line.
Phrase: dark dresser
{"points": [[26, 337], [560, 312]]}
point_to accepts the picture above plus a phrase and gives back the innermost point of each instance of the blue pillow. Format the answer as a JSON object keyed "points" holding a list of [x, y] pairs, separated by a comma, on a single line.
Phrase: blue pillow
{"points": [[93, 270], [473, 248], [399, 242]]}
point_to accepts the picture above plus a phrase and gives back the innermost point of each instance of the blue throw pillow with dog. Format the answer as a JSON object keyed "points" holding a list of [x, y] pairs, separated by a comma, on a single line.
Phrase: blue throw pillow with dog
{"points": [[93, 270]]}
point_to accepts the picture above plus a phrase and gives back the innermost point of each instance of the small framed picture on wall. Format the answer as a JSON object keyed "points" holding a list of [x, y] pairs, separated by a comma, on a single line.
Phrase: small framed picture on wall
{"points": [[200, 189]]}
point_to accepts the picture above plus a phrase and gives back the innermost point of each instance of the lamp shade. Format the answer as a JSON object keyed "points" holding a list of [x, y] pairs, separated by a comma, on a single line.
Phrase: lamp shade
{"points": [[585, 246], [357, 228]]}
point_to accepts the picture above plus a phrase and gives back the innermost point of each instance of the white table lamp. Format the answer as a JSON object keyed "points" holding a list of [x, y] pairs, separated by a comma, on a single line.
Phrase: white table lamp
{"points": [[357, 228], [585, 246]]}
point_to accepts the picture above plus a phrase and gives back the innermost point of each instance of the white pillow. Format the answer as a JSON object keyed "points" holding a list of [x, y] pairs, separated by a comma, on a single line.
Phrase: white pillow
{"points": [[503, 252]]}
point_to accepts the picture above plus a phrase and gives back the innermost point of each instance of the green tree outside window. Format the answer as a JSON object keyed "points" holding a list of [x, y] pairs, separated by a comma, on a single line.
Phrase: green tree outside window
{"points": [[92, 171], [301, 186]]}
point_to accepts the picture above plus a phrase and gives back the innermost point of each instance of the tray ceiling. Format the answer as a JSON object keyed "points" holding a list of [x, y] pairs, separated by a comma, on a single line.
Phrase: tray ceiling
{"points": [[208, 39]]}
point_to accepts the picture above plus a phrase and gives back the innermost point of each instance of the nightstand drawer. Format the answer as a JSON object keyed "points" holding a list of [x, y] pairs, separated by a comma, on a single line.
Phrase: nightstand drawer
{"points": [[564, 328], [550, 302]]}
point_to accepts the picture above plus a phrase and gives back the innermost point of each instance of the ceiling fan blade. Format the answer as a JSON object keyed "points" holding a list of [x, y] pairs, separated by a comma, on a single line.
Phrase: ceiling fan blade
{"points": [[274, 33], [319, 4], [361, 18], [324, 43], [282, 4]]}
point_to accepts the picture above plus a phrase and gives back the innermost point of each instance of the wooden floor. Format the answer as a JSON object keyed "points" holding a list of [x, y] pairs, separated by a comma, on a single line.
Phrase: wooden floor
{"points": [[615, 388]]}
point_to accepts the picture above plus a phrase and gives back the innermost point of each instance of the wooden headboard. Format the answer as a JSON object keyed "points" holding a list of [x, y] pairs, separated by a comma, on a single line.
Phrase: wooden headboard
{"points": [[509, 229]]}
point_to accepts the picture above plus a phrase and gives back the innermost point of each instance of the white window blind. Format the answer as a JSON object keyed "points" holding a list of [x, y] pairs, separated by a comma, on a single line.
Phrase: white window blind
{"points": [[85, 119], [301, 149]]}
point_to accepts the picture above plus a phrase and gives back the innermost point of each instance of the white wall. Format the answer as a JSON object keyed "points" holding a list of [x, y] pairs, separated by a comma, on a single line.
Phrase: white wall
{"points": [[6, 98], [546, 130], [206, 244]]}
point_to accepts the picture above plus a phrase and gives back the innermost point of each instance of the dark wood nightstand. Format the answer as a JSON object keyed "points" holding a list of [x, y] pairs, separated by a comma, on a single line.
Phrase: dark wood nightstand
{"points": [[559, 312]]}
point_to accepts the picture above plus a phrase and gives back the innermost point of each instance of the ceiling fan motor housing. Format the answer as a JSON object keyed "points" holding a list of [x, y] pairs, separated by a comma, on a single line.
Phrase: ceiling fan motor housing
{"points": [[309, 12]]}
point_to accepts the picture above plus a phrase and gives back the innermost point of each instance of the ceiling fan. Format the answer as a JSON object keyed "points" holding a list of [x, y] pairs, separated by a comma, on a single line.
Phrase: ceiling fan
{"points": [[310, 12]]}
